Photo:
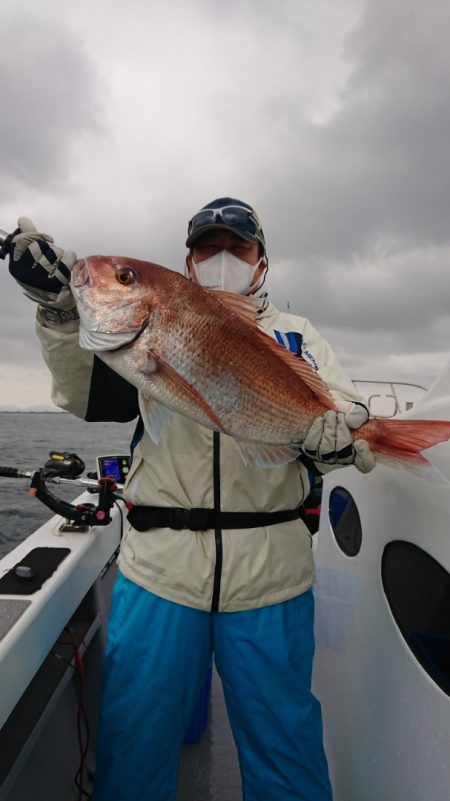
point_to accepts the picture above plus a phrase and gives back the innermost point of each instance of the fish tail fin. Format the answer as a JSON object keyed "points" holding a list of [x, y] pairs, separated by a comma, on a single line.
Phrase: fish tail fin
{"points": [[398, 443]]}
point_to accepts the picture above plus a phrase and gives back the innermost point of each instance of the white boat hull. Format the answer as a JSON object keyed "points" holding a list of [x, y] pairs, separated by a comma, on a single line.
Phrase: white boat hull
{"points": [[40, 693], [386, 717]]}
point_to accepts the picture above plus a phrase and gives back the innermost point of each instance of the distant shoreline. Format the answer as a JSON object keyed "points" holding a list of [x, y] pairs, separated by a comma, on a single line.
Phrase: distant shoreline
{"points": [[33, 411]]}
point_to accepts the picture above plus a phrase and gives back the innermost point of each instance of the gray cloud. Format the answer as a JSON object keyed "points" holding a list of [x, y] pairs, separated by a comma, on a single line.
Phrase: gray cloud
{"points": [[18, 342], [380, 165], [51, 95], [372, 308], [333, 119], [377, 290]]}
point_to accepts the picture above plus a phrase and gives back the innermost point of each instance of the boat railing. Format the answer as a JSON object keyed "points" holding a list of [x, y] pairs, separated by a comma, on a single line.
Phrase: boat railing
{"points": [[389, 398]]}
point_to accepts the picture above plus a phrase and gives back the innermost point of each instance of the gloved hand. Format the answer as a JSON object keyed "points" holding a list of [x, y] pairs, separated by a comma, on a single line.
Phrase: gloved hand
{"points": [[329, 440], [43, 271]]}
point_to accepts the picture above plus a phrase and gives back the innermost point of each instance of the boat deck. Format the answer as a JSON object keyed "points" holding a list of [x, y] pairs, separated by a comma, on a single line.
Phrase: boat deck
{"points": [[209, 770]]}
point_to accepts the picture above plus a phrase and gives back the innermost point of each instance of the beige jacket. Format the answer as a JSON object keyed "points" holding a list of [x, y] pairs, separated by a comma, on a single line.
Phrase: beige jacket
{"points": [[242, 569]]}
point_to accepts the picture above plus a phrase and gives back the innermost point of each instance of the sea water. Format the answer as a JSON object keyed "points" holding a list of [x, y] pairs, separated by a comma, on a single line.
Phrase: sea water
{"points": [[26, 438]]}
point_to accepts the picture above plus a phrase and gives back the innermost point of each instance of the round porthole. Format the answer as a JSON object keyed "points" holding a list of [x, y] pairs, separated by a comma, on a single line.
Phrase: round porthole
{"points": [[417, 589], [345, 521]]}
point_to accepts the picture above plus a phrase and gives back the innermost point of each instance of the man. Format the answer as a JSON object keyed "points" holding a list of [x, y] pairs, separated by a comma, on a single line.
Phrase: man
{"points": [[242, 592]]}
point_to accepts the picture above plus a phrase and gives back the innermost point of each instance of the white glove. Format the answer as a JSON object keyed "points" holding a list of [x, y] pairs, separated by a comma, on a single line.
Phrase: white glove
{"points": [[43, 271], [329, 440]]}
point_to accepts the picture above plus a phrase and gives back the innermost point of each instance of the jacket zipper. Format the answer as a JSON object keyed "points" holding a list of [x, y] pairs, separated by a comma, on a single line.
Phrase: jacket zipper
{"points": [[217, 531]]}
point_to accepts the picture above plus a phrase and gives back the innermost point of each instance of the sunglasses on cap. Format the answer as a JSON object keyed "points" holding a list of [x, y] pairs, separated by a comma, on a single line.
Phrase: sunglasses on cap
{"points": [[239, 218]]}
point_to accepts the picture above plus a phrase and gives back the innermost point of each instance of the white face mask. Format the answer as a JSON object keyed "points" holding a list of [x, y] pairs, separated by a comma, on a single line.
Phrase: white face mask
{"points": [[227, 272]]}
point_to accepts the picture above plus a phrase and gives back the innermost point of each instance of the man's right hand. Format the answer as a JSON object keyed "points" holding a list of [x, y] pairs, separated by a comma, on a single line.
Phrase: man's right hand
{"points": [[43, 271]]}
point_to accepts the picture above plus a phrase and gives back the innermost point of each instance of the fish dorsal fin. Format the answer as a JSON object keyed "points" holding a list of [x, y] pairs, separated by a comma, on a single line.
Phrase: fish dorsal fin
{"points": [[247, 311], [261, 455], [240, 304]]}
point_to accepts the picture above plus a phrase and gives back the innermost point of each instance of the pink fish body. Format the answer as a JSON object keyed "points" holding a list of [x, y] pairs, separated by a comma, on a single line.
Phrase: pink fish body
{"points": [[199, 352]]}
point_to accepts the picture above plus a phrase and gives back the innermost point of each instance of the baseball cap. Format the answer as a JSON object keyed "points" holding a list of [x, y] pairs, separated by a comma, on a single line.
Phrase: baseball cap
{"points": [[229, 213]]}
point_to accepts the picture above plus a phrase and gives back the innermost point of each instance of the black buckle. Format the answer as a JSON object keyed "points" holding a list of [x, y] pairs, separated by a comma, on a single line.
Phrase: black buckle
{"points": [[193, 519], [181, 518]]}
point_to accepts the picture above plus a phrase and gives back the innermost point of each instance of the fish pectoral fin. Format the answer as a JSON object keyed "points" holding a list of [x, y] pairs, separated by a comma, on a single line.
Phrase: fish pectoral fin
{"points": [[185, 391], [155, 417], [260, 455]]}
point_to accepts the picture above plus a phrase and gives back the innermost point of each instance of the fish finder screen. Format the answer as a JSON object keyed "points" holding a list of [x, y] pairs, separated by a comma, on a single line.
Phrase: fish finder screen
{"points": [[116, 466]]}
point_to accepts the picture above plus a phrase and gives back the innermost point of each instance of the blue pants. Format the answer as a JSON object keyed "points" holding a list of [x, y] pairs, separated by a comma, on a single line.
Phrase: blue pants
{"points": [[157, 658]]}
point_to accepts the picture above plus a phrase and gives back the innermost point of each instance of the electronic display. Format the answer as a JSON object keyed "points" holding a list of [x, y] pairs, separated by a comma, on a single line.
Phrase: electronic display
{"points": [[117, 466]]}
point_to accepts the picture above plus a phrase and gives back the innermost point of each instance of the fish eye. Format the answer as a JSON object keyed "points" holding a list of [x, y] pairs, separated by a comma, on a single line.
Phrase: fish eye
{"points": [[125, 276]]}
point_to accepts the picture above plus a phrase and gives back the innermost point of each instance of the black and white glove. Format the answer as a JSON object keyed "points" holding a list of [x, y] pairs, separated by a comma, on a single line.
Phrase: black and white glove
{"points": [[43, 271], [329, 440]]}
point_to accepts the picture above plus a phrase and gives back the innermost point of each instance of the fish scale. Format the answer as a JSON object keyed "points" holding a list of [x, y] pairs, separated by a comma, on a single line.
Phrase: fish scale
{"points": [[219, 375]]}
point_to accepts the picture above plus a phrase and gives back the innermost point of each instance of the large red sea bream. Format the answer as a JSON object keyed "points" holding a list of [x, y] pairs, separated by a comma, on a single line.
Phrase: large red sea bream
{"points": [[199, 352]]}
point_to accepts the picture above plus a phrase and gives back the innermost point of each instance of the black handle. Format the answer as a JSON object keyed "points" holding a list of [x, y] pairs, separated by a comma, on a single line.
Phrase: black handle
{"points": [[14, 472], [5, 242], [83, 514]]}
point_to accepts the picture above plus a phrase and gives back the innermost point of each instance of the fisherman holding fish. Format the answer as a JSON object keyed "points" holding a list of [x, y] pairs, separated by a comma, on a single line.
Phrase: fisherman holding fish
{"points": [[215, 558]]}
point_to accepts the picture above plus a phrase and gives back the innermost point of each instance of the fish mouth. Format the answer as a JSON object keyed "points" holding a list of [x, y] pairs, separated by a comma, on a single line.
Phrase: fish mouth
{"points": [[92, 320], [102, 342]]}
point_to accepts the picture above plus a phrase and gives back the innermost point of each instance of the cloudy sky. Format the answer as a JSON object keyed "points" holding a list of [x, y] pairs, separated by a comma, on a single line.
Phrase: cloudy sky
{"points": [[332, 117]]}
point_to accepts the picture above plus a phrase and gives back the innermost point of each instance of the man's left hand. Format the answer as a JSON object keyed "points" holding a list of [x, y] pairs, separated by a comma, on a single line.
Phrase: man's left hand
{"points": [[329, 440]]}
